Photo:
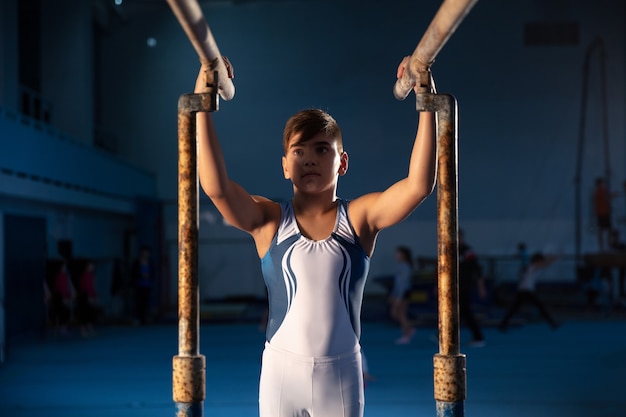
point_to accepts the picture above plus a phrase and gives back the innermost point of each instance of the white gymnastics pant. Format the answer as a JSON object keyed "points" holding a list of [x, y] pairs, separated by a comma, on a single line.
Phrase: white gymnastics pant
{"points": [[301, 386]]}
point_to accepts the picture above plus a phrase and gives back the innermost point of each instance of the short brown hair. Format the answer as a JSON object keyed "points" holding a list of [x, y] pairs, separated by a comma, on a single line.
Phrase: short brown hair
{"points": [[309, 123]]}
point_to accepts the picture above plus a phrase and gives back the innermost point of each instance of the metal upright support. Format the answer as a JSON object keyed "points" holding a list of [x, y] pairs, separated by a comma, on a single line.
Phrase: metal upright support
{"points": [[596, 44], [449, 363], [189, 373]]}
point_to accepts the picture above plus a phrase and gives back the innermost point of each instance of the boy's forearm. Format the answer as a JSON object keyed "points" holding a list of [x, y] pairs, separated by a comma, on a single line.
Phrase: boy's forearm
{"points": [[237, 207], [211, 166], [423, 163]]}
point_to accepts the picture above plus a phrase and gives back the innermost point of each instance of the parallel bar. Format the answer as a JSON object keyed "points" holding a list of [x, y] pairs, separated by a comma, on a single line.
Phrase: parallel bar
{"points": [[189, 365], [190, 17], [443, 25]]}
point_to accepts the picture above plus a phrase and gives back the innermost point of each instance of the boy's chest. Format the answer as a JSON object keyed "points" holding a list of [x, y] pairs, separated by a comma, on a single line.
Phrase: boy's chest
{"points": [[317, 228]]}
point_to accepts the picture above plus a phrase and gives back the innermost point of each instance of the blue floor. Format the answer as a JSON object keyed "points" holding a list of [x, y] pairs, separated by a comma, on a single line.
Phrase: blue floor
{"points": [[124, 371]]}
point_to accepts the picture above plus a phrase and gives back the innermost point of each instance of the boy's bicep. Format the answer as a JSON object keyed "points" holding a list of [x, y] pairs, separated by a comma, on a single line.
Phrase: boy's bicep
{"points": [[362, 213], [242, 210], [381, 210]]}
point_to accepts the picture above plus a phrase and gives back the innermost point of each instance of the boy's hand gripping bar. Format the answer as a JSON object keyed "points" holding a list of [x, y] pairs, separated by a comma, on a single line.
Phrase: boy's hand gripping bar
{"points": [[192, 20], [443, 25]]}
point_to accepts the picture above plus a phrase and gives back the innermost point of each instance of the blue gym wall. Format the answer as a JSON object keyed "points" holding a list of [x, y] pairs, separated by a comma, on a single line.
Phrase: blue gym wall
{"points": [[519, 112]]}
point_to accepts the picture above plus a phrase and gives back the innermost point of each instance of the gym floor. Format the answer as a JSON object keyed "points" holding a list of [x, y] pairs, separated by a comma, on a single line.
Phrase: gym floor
{"points": [[125, 371]]}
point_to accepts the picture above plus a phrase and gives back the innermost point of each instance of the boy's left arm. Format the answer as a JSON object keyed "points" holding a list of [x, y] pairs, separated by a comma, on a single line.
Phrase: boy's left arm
{"points": [[373, 212], [387, 208]]}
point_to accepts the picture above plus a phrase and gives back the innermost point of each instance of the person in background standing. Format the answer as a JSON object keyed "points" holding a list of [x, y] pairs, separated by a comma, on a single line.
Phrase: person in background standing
{"points": [[470, 279], [616, 245], [62, 295], [87, 306], [602, 212], [522, 256], [117, 289], [143, 281], [398, 298]]}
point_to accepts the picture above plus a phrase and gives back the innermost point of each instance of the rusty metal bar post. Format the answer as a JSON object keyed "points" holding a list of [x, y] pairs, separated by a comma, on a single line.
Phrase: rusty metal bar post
{"points": [[189, 365], [449, 363]]}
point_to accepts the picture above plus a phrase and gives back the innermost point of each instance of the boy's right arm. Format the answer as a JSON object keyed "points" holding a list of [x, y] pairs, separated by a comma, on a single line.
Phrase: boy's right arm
{"points": [[238, 207]]}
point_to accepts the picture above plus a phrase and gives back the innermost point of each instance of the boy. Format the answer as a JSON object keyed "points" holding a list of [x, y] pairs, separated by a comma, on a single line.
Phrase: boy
{"points": [[315, 252]]}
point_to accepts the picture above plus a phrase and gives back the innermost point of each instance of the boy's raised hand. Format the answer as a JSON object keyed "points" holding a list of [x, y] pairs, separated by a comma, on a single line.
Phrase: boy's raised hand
{"points": [[424, 82]]}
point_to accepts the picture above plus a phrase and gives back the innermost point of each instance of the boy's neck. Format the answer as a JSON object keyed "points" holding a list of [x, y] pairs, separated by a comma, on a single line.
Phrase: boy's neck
{"points": [[314, 204]]}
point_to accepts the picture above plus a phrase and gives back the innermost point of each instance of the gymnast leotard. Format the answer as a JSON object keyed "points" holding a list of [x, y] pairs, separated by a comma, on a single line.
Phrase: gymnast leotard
{"points": [[312, 357]]}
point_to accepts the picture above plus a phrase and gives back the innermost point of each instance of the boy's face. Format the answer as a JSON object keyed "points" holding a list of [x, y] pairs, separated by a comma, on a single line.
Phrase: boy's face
{"points": [[314, 165]]}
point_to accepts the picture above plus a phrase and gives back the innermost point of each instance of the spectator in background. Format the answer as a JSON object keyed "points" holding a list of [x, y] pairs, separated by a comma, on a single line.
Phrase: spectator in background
{"points": [[526, 291], [61, 299], [87, 304], [522, 255], [618, 247], [143, 282], [470, 280], [399, 296], [117, 289], [602, 212], [600, 286]]}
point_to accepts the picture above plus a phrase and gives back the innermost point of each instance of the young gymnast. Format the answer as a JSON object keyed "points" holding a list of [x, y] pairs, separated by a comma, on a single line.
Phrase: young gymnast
{"points": [[315, 251]]}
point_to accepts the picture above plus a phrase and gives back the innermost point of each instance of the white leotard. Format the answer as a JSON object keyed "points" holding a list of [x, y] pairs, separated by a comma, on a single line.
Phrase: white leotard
{"points": [[315, 288]]}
